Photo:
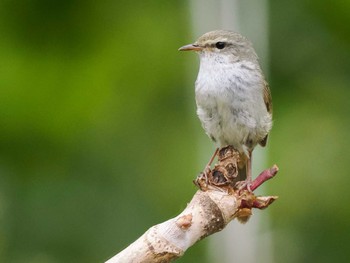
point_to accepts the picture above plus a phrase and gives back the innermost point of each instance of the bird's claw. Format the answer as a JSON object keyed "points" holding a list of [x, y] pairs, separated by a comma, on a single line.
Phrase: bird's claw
{"points": [[202, 180], [244, 185]]}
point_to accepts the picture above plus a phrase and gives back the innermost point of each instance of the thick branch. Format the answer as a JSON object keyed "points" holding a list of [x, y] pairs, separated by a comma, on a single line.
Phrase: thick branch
{"points": [[219, 200]]}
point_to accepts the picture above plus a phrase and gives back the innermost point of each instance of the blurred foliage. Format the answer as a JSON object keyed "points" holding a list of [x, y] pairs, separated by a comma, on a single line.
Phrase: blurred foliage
{"points": [[98, 127], [310, 65], [95, 132]]}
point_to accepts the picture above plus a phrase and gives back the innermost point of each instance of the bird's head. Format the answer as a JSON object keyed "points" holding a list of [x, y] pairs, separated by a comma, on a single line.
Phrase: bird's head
{"points": [[220, 43]]}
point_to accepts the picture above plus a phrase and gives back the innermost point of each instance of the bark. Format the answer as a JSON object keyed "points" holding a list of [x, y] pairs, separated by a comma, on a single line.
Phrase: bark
{"points": [[219, 200]]}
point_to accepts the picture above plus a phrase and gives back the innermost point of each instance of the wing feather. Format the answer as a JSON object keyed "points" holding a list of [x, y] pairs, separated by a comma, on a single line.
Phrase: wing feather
{"points": [[268, 103]]}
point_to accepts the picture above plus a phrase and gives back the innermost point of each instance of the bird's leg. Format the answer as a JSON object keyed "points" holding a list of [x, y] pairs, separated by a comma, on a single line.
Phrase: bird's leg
{"points": [[213, 157], [242, 185], [249, 171], [207, 167], [205, 174]]}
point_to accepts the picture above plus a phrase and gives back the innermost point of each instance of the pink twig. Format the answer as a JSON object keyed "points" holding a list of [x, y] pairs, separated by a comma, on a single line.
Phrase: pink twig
{"points": [[263, 177]]}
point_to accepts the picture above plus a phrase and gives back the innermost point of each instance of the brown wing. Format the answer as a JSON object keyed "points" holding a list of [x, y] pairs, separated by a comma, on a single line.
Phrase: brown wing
{"points": [[267, 97], [268, 103]]}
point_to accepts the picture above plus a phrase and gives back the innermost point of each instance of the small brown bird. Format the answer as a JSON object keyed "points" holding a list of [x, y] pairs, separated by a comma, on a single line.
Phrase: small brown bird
{"points": [[233, 99]]}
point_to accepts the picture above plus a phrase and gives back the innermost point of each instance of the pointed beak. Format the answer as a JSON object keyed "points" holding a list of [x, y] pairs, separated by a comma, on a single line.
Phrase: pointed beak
{"points": [[190, 47]]}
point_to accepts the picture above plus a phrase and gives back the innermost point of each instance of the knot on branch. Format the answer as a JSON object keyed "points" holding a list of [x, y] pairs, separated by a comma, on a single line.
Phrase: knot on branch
{"points": [[224, 176], [185, 221]]}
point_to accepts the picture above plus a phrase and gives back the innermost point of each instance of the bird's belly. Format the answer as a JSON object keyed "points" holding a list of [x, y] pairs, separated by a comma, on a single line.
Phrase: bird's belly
{"points": [[224, 127], [233, 122]]}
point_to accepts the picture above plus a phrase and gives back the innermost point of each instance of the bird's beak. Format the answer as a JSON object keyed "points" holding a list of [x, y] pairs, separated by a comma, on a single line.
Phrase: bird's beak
{"points": [[191, 47]]}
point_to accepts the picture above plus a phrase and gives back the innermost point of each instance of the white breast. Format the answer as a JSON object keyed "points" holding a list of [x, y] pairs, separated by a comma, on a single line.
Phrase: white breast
{"points": [[230, 103]]}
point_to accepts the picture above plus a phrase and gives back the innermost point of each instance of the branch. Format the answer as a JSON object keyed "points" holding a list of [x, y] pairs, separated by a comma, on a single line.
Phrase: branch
{"points": [[221, 199]]}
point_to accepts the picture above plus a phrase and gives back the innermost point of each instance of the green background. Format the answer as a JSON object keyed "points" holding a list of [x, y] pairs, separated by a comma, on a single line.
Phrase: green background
{"points": [[99, 137]]}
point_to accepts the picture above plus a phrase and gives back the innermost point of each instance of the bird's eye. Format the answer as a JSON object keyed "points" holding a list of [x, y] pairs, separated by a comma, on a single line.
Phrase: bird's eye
{"points": [[220, 45]]}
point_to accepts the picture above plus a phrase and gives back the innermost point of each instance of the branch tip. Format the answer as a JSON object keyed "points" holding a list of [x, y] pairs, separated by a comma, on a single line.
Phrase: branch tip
{"points": [[264, 176]]}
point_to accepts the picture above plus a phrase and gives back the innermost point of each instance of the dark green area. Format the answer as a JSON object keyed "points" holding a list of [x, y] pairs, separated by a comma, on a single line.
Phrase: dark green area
{"points": [[98, 133]]}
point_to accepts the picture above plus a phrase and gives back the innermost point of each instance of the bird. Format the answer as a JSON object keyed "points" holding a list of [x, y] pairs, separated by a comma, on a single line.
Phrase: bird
{"points": [[233, 98]]}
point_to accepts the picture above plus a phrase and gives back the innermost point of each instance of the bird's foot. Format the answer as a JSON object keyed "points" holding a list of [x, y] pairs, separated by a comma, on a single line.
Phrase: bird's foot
{"points": [[244, 185], [206, 173], [202, 180]]}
